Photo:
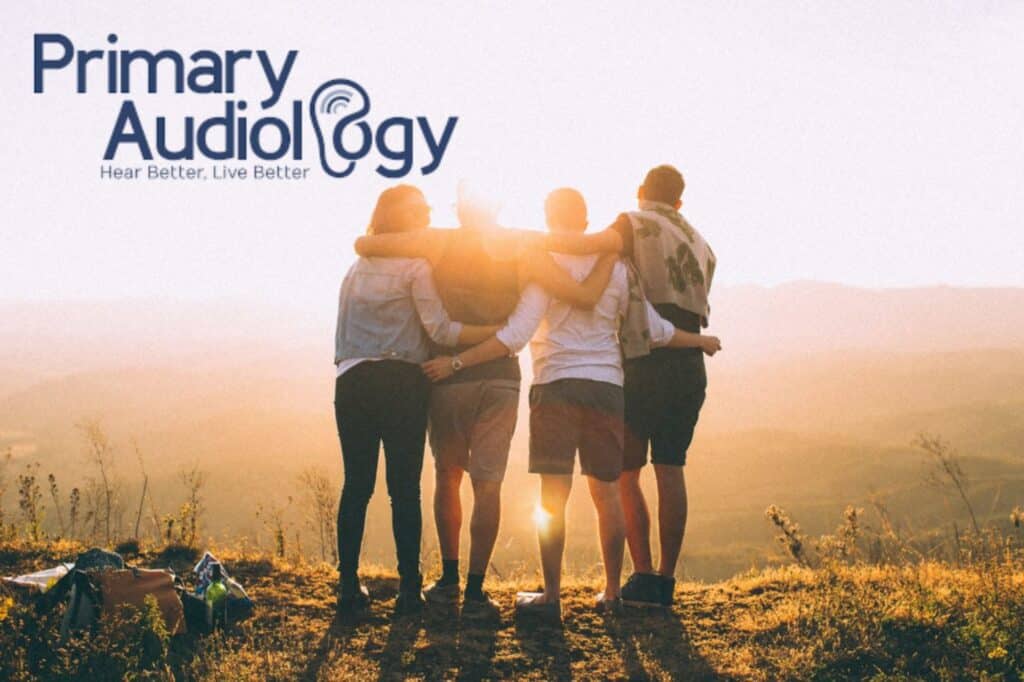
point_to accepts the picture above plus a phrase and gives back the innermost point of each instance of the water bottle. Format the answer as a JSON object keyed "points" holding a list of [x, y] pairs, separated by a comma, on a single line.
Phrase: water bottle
{"points": [[216, 593]]}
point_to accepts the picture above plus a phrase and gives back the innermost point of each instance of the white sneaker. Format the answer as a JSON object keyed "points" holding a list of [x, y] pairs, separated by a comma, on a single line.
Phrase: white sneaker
{"points": [[531, 603], [608, 605]]}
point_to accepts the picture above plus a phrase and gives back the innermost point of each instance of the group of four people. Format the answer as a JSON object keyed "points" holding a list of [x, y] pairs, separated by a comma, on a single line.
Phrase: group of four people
{"points": [[429, 322]]}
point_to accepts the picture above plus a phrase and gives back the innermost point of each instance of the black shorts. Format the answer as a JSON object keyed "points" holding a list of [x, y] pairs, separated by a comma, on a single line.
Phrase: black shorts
{"points": [[664, 394], [571, 414]]}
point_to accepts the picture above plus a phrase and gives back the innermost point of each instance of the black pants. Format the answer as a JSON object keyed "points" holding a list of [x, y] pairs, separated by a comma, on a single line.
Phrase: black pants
{"points": [[374, 402]]}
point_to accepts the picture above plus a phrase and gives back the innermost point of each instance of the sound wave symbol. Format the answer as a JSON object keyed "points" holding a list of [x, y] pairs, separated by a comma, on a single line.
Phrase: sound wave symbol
{"points": [[333, 101]]}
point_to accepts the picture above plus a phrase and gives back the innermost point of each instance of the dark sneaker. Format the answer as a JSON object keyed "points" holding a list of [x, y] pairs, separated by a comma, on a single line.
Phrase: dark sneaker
{"points": [[668, 591], [479, 605], [643, 589], [533, 604], [409, 602], [438, 593], [353, 602], [609, 606]]}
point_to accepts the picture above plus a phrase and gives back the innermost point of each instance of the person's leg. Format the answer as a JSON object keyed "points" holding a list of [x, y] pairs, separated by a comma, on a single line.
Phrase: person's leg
{"points": [[554, 437], [404, 435], [449, 444], [670, 443], [638, 521], [641, 409], [611, 526], [672, 510], [497, 403], [483, 525], [602, 456], [448, 519], [554, 493], [360, 446]]}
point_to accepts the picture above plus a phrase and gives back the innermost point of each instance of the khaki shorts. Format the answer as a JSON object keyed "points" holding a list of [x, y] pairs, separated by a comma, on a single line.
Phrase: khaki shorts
{"points": [[471, 426]]}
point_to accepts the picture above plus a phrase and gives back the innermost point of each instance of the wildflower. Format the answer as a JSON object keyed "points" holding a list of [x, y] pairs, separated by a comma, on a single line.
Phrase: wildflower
{"points": [[5, 607], [997, 653]]}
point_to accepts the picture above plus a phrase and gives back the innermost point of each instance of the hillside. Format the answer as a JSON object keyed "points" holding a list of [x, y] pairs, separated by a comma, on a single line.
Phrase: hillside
{"points": [[808, 407], [862, 622]]}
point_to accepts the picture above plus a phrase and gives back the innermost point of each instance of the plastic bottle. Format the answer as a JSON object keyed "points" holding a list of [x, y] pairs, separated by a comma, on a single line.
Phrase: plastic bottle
{"points": [[216, 593]]}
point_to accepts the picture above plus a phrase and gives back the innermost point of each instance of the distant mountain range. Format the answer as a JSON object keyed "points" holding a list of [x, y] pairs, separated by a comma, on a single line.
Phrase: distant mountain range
{"points": [[807, 317], [812, 404], [53, 338]]}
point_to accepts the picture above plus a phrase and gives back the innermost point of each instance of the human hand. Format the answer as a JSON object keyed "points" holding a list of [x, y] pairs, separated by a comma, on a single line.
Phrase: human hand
{"points": [[439, 368], [710, 344]]}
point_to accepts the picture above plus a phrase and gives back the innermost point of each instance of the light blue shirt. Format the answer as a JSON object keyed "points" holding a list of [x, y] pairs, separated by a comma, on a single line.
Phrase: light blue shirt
{"points": [[387, 308]]}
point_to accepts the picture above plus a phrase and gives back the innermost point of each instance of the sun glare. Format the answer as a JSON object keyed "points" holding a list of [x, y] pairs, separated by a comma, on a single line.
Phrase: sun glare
{"points": [[541, 518]]}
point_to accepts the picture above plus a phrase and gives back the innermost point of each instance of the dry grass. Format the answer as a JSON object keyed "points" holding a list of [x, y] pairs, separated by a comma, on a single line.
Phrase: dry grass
{"points": [[929, 621]]}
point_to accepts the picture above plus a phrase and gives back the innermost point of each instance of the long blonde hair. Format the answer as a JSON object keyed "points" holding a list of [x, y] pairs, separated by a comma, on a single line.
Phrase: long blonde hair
{"points": [[385, 216]]}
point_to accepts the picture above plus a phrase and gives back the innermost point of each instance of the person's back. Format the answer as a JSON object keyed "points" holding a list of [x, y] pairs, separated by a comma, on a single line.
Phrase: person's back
{"points": [[675, 263], [473, 412], [576, 401], [576, 343], [664, 389], [577, 404], [476, 288], [378, 315]]}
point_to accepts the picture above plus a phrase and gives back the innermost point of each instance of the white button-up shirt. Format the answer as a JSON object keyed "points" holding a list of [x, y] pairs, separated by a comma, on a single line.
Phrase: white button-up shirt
{"points": [[571, 343]]}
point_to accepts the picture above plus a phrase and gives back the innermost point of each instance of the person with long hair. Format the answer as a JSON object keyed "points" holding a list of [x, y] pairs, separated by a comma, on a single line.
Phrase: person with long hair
{"points": [[388, 312]]}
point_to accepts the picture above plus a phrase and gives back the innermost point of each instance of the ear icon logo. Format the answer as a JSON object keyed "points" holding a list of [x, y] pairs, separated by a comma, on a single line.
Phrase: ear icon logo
{"points": [[335, 105]]}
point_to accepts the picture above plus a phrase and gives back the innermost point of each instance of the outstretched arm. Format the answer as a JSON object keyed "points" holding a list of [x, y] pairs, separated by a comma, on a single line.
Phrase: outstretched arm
{"points": [[427, 244], [709, 344], [539, 267], [605, 241], [475, 333], [663, 334]]}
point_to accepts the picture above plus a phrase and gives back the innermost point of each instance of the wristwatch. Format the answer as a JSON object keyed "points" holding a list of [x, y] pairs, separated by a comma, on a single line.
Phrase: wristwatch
{"points": [[456, 363]]}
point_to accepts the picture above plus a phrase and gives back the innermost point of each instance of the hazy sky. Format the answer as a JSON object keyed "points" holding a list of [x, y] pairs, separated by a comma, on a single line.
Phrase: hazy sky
{"points": [[876, 144]]}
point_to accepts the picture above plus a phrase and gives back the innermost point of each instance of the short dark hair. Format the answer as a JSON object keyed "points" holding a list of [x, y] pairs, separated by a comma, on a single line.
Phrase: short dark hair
{"points": [[664, 183]]}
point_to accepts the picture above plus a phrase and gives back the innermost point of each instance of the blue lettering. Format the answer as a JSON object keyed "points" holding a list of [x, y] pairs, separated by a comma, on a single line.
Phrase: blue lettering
{"points": [[127, 118]]}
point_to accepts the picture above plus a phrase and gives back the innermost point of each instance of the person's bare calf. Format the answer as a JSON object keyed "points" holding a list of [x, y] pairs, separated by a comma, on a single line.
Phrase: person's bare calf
{"points": [[672, 511], [484, 524], [612, 529], [638, 521], [554, 494], [448, 511]]}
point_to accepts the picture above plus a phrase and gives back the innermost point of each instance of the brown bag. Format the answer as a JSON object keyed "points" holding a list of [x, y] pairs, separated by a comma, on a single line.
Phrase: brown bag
{"points": [[133, 585]]}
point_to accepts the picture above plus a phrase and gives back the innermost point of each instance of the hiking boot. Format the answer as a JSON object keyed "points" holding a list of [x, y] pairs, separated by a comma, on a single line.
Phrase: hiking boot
{"points": [[531, 604], [409, 602], [353, 601], [608, 606], [479, 605], [668, 591], [643, 589], [439, 593]]}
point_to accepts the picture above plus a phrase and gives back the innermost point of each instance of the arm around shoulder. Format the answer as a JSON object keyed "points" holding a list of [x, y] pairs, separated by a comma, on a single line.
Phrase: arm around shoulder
{"points": [[539, 267], [605, 241], [427, 244]]}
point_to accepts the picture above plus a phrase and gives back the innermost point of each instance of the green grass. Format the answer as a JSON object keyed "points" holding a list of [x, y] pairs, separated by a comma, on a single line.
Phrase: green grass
{"points": [[928, 622]]}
